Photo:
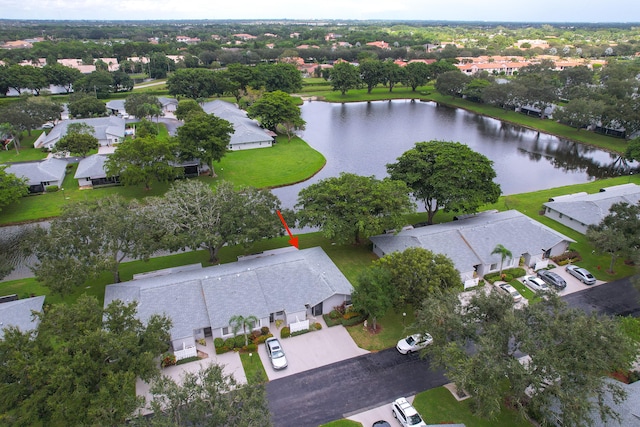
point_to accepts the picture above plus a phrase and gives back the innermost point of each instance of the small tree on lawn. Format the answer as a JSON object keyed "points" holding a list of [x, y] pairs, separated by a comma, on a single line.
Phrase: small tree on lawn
{"points": [[373, 295], [238, 322]]}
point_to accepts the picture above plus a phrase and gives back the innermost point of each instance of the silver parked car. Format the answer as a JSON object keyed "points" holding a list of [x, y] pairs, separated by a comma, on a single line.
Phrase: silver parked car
{"points": [[275, 353], [552, 279], [536, 284], [511, 291], [581, 274]]}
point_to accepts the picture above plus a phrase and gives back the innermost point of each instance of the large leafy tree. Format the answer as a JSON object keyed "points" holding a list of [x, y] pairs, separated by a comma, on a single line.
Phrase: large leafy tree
{"points": [[20, 77], [351, 207], [416, 74], [192, 215], [186, 107], [141, 160], [142, 104], [373, 295], [79, 367], [280, 76], [276, 108], [193, 83], [205, 137], [618, 234], [568, 354], [452, 83], [12, 188], [417, 273], [579, 112], [59, 75], [30, 113], [633, 150], [78, 140], [86, 105], [344, 76], [14, 251], [100, 83], [89, 238], [392, 74], [448, 176], [371, 72], [208, 394]]}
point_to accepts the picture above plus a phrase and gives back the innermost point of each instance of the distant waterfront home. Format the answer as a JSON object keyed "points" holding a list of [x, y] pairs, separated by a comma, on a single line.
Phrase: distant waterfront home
{"points": [[248, 133], [469, 242], [40, 174], [108, 131], [18, 313], [91, 172], [580, 210], [289, 285]]}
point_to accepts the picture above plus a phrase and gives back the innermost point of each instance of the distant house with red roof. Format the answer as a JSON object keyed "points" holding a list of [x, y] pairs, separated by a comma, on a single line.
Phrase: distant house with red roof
{"points": [[379, 44]]}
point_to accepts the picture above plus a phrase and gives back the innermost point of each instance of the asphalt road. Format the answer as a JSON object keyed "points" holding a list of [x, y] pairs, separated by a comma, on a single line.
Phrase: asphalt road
{"points": [[334, 391], [614, 298]]}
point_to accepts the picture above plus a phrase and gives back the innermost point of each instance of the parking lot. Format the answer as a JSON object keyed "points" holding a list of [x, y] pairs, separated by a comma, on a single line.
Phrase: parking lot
{"points": [[573, 284]]}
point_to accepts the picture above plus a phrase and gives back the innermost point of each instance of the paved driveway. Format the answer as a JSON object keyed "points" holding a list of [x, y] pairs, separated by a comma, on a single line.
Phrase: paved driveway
{"points": [[614, 298], [312, 350], [349, 387]]}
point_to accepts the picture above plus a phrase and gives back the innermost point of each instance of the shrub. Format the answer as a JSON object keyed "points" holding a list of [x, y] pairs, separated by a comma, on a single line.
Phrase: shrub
{"points": [[168, 359], [279, 323], [202, 341], [218, 342], [230, 342], [567, 257], [350, 314], [342, 308], [223, 349], [51, 188], [304, 331], [332, 321], [251, 347], [335, 314], [634, 376], [255, 334], [187, 360], [285, 332], [317, 326], [262, 338], [264, 330], [239, 341], [353, 320]]}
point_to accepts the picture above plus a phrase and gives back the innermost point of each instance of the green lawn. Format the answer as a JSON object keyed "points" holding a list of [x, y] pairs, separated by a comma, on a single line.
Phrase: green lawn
{"points": [[393, 326], [253, 368], [342, 423], [26, 152], [438, 406], [296, 162]]}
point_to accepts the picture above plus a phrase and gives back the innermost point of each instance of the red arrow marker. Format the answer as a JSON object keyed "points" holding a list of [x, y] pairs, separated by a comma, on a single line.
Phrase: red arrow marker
{"points": [[293, 241]]}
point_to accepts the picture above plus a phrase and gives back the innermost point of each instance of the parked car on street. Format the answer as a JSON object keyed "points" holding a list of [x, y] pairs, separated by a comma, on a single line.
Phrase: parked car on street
{"points": [[381, 423], [536, 284], [406, 414], [413, 343], [581, 274], [275, 353], [552, 279], [511, 291]]}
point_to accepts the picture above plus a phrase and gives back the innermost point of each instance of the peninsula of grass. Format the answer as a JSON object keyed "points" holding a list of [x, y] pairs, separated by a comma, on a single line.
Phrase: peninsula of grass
{"points": [[287, 162]]}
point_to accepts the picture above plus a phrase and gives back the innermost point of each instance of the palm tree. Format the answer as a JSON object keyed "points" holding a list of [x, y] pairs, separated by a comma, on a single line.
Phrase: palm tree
{"points": [[504, 254], [238, 322]]}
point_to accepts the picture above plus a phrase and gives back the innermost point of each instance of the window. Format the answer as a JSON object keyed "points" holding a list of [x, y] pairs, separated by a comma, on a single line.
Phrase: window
{"points": [[493, 267], [225, 331]]}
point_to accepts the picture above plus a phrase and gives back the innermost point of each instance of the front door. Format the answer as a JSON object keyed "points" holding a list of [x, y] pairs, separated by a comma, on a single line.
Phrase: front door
{"points": [[317, 310]]}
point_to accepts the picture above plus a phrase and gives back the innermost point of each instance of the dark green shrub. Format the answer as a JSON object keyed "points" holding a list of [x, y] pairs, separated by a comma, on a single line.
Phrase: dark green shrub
{"points": [[230, 342], [187, 360], [353, 320], [285, 332], [255, 334], [218, 342], [317, 326], [51, 188], [304, 331], [261, 339], [239, 341], [168, 359], [223, 349], [251, 347], [332, 321], [264, 330]]}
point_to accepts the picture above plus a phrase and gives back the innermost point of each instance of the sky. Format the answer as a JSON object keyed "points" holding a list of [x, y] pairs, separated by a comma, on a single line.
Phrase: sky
{"points": [[449, 10]]}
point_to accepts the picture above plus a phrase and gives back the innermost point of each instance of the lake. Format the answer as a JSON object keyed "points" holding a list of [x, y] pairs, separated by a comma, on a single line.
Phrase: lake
{"points": [[363, 137]]}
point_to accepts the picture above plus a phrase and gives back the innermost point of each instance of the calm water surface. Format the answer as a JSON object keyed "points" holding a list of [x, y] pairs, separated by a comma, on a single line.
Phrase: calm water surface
{"points": [[363, 137]]}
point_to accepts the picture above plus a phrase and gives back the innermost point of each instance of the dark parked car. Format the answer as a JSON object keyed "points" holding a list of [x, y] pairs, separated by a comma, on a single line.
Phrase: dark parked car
{"points": [[552, 279]]}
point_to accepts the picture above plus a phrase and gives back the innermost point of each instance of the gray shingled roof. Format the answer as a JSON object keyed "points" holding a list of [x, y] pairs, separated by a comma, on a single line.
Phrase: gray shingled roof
{"points": [[246, 129], [103, 126], [255, 286], [470, 241], [51, 169], [92, 167], [590, 209], [18, 313]]}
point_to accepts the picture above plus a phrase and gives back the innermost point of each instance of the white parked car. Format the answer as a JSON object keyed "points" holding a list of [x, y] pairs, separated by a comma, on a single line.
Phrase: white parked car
{"points": [[406, 414], [275, 353], [413, 343], [536, 284], [511, 291], [581, 274]]}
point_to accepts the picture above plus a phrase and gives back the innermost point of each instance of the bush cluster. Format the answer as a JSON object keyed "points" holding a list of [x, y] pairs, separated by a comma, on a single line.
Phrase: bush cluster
{"points": [[237, 343], [507, 275], [187, 360], [285, 332], [51, 188], [567, 257], [168, 359]]}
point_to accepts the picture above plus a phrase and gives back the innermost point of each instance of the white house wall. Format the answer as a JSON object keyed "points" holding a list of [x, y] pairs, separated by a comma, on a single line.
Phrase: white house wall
{"points": [[566, 220], [251, 145]]}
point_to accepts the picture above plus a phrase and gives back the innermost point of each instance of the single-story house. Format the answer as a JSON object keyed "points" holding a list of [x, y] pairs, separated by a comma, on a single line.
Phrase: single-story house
{"points": [[91, 172], [40, 174], [469, 242], [580, 210], [248, 133], [169, 105], [287, 284], [18, 313], [108, 130], [116, 107]]}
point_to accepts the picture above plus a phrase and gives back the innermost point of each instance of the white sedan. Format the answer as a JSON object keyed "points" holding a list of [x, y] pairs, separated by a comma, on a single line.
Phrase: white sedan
{"points": [[536, 284], [511, 291], [413, 343]]}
